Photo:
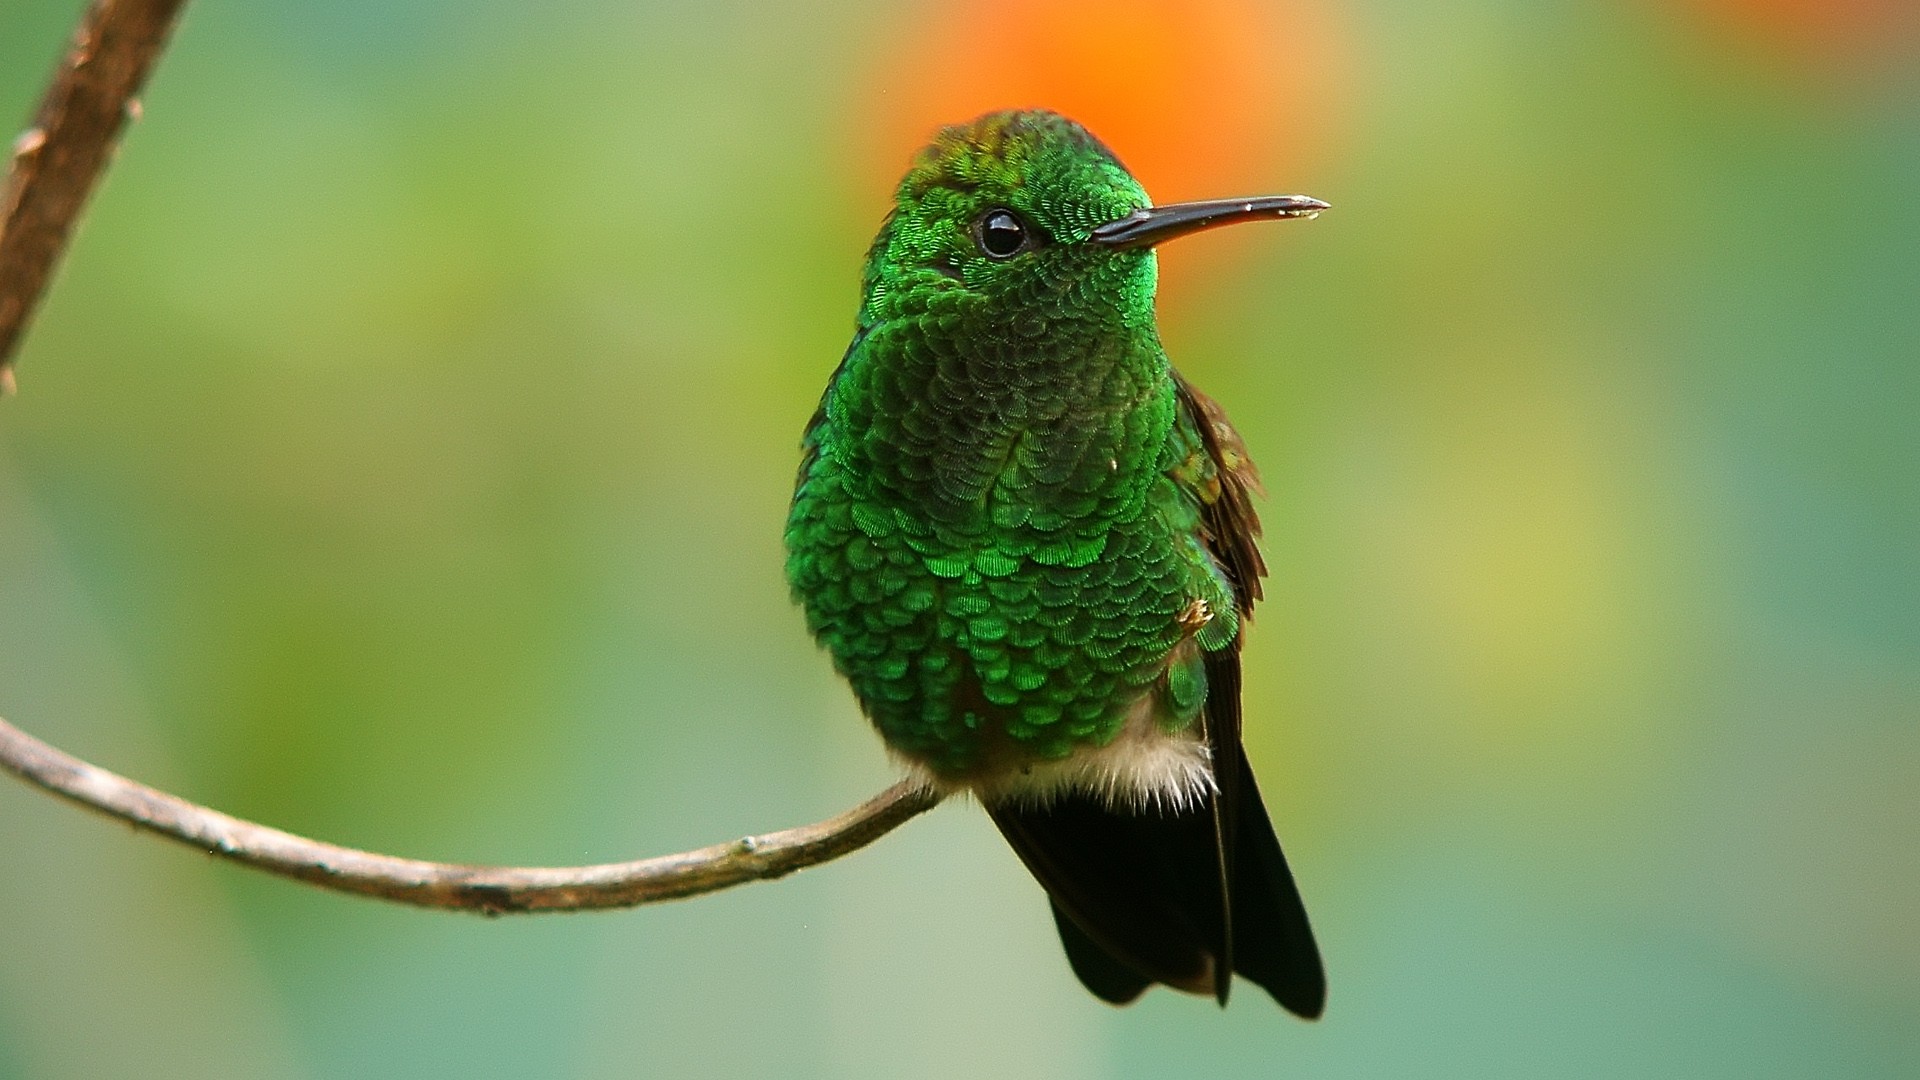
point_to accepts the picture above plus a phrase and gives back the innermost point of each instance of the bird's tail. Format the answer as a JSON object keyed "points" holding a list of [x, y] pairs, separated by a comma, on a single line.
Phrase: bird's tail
{"points": [[1186, 898]]}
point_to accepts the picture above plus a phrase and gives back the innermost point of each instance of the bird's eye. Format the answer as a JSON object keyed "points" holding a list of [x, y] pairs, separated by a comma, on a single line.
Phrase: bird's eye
{"points": [[1001, 234]]}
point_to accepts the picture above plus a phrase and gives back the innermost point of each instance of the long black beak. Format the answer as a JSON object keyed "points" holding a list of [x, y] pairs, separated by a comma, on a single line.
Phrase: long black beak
{"points": [[1145, 228]]}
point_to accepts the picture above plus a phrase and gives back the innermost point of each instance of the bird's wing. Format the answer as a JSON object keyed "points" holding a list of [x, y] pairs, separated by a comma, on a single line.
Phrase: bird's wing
{"points": [[1222, 479], [1219, 476], [1268, 937]]}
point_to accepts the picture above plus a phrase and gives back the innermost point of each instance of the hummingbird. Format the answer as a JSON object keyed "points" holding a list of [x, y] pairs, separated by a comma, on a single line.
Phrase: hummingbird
{"points": [[1029, 546]]}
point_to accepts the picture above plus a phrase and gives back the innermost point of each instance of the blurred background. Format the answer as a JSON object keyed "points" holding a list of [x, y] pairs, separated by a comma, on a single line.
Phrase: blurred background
{"points": [[402, 454]]}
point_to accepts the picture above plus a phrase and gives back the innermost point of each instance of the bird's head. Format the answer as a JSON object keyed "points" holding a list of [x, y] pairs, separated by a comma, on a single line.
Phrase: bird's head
{"points": [[1025, 212]]}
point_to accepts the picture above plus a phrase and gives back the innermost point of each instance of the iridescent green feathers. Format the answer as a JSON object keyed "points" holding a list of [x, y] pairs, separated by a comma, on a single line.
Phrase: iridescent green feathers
{"points": [[1006, 529]]}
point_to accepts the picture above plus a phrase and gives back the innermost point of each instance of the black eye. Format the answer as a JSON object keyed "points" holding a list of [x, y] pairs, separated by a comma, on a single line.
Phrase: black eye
{"points": [[1001, 234]]}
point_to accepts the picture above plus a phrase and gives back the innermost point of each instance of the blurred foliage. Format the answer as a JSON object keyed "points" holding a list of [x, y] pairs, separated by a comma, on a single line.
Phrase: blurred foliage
{"points": [[402, 453]]}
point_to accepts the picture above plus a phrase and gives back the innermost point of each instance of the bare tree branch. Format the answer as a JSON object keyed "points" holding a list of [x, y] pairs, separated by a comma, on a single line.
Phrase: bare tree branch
{"points": [[57, 160], [491, 890]]}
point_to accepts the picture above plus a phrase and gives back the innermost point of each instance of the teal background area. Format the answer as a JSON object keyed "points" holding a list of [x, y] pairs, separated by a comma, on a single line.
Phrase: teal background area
{"points": [[402, 454]]}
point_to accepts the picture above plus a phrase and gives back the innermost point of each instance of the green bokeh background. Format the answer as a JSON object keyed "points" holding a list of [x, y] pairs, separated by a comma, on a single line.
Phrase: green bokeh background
{"points": [[403, 450]]}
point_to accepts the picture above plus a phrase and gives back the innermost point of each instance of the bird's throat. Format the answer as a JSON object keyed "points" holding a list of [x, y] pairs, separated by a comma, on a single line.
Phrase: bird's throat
{"points": [[991, 432]]}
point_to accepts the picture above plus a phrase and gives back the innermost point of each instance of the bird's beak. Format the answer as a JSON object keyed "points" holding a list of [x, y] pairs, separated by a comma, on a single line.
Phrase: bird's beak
{"points": [[1145, 228]]}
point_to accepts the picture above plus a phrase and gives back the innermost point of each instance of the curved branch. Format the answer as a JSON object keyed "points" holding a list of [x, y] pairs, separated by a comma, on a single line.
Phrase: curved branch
{"points": [[491, 890], [57, 160]]}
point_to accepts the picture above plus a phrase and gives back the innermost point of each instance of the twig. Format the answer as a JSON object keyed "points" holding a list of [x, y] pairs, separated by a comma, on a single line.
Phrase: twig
{"points": [[491, 890], [57, 160]]}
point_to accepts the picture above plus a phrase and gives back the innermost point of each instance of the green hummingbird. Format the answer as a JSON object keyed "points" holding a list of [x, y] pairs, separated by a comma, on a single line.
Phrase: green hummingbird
{"points": [[1028, 544]]}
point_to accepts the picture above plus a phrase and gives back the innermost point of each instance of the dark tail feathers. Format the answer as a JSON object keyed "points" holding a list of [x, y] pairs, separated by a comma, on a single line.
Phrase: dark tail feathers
{"points": [[1138, 897]]}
